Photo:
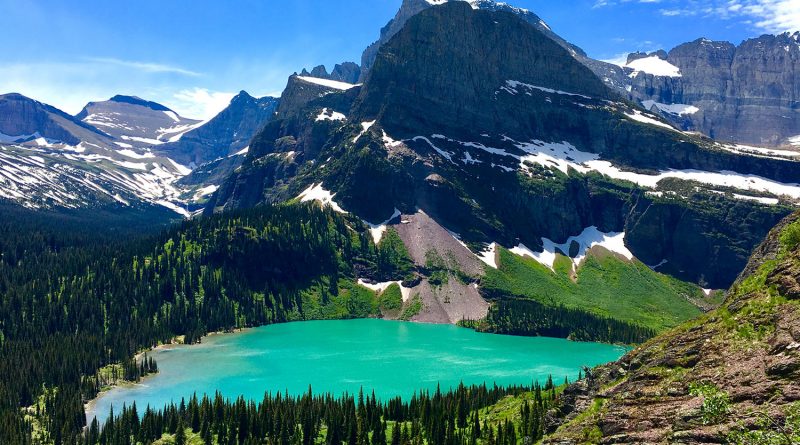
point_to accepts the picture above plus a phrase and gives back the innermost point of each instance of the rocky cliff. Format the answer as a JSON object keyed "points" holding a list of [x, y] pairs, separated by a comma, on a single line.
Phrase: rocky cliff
{"points": [[747, 94], [730, 377], [226, 134], [23, 119], [463, 128], [348, 72]]}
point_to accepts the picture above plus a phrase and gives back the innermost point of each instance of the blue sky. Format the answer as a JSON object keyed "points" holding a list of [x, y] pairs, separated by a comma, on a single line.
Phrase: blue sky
{"points": [[193, 55]]}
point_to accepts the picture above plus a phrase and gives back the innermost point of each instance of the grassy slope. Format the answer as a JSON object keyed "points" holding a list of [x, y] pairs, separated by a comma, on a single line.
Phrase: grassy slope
{"points": [[606, 285], [732, 351]]}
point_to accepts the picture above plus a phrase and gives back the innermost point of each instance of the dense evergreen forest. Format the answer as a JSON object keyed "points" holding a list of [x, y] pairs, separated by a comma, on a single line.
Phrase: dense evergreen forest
{"points": [[76, 298], [79, 298], [531, 318], [492, 416]]}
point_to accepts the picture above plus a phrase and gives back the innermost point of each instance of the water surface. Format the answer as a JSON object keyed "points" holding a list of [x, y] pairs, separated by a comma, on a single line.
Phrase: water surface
{"points": [[391, 358]]}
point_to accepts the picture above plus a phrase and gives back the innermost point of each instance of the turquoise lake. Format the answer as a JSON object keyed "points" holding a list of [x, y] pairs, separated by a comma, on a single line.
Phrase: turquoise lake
{"points": [[392, 358]]}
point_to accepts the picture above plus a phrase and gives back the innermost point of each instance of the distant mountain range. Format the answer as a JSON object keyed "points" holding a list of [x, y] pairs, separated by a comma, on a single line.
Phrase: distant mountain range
{"points": [[124, 151], [501, 131]]}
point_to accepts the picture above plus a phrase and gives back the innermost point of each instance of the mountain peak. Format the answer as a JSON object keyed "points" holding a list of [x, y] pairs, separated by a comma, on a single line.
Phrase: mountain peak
{"points": [[134, 100]]}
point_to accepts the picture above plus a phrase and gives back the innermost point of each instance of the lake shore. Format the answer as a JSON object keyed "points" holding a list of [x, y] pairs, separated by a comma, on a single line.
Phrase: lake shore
{"points": [[88, 407], [394, 359]]}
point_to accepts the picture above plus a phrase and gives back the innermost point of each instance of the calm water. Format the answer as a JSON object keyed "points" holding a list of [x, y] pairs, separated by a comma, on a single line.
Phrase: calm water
{"points": [[393, 358]]}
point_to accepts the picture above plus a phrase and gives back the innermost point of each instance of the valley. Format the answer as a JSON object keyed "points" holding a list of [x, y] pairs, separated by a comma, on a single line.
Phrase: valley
{"points": [[479, 234]]}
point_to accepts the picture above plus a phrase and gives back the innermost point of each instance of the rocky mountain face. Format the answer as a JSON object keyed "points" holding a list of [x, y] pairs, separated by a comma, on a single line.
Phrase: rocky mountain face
{"points": [[49, 159], [747, 94], [122, 152], [347, 72], [23, 120], [136, 122], [410, 8], [730, 377], [226, 134], [497, 132]]}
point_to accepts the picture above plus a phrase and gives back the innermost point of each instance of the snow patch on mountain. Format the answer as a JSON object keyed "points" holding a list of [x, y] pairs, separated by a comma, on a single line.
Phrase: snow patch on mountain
{"points": [[654, 65], [638, 116], [589, 238], [677, 109], [377, 230], [759, 151], [381, 287], [513, 87], [330, 115], [365, 126], [489, 256], [343, 86], [563, 156], [315, 192]]}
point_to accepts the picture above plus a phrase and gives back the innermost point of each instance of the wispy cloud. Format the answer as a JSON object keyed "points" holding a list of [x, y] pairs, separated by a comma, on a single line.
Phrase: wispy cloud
{"points": [[147, 67], [773, 16]]}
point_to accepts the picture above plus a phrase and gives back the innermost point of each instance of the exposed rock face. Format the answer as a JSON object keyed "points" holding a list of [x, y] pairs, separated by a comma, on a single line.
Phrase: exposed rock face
{"points": [[134, 121], [298, 94], [348, 72], [747, 94], [410, 8], [28, 119], [224, 135], [493, 82], [745, 355], [454, 300]]}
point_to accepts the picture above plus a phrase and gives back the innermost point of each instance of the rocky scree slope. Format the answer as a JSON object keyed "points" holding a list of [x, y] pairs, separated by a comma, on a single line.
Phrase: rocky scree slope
{"points": [[729, 377], [463, 128]]}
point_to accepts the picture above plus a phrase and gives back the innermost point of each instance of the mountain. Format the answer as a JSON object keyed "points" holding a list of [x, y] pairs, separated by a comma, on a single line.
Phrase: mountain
{"points": [[348, 72], [410, 8], [25, 120], [226, 134], [730, 376], [747, 94], [122, 152], [499, 136], [50, 160], [135, 122]]}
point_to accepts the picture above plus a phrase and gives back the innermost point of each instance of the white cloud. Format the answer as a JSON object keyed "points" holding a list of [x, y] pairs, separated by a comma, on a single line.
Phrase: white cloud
{"points": [[147, 67], [619, 59], [199, 103], [773, 16]]}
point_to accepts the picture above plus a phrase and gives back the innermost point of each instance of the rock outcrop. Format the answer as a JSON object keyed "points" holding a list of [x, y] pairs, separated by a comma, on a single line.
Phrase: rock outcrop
{"points": [[735, 372]]}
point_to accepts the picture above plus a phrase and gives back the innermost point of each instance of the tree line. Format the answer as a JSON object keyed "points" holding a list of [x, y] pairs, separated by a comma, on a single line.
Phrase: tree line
{"points": [[460, 416], [76, 297]]}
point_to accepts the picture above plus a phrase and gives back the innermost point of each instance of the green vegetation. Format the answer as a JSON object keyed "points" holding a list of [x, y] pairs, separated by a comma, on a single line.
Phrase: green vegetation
{"points": [[75, 299], [413, 308], [392, 257], [531, 318], [392, 298], [790, 237], [474, 415], [769, 430], [605, 286], [716, 403]]}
